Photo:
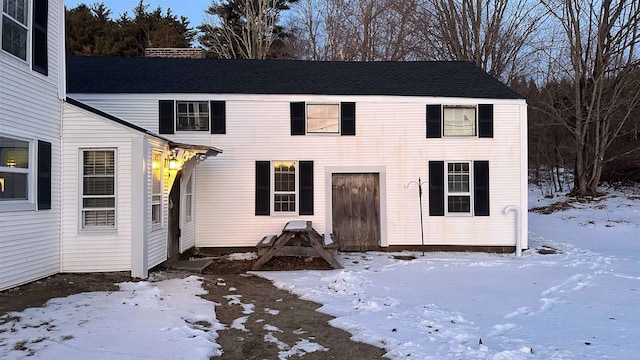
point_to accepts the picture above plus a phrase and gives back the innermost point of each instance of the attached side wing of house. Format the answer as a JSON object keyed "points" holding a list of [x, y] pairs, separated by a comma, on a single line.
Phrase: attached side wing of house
{"points": [[118, 193], [341, 144]]}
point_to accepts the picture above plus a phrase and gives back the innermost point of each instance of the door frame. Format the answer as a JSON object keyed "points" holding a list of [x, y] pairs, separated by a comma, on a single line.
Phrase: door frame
{"points": [[382, 175]]}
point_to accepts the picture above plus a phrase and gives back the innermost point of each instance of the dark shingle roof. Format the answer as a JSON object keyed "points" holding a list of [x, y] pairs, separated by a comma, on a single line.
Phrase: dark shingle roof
{"points": [[94, 74]]}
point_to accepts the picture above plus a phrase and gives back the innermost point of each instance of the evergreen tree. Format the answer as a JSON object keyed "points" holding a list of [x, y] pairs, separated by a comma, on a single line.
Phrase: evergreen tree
{"points": [[91, 31]]}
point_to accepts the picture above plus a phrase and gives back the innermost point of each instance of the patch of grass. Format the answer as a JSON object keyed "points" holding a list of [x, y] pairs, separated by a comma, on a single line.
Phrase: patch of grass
{"points": [[20, 346], [550, 209]]}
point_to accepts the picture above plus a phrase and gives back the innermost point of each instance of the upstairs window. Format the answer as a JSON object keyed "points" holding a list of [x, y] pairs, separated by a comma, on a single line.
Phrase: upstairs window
{"points": [[323, 118], [474, 121], [339, 119], [192, 116], [15, 27], [98, 189], [459, 121]]}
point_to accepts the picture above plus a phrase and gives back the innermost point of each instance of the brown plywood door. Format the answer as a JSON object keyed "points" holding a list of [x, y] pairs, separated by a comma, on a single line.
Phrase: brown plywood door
{"points": [[173, 246], [356, 211]]}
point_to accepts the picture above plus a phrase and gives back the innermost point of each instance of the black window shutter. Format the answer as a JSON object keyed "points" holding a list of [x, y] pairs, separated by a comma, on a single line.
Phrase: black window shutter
{"points": [[485, 120], [434, 121], [481, 188], [348, 118], [436, 188], [44, 175], [263, 188], [218, 117], [40, 51], [306, 187], [166, 119], [298, 126]]}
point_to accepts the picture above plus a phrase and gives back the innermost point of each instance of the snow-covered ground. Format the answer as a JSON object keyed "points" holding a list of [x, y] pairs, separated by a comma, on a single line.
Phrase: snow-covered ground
{"points": [[581, 303]]}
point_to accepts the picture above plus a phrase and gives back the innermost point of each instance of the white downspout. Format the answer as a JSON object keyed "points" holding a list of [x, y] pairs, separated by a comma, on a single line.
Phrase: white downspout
{"points": [[516, 208]]}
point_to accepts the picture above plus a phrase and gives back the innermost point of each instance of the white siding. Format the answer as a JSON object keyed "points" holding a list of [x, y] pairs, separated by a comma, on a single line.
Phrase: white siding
{"points": [[30, 108], [86, 250], [390, 137]]}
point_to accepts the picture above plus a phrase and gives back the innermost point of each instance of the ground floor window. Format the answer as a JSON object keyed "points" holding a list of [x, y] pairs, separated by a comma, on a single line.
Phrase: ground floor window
{"points": [[156, 192], [458, 187], [15, 169], [188, 200], [98, 189], [284, 186]]}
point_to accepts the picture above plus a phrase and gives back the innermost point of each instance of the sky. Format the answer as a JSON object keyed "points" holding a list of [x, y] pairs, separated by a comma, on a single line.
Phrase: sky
{"points": [[193, 9], [579, 303]]}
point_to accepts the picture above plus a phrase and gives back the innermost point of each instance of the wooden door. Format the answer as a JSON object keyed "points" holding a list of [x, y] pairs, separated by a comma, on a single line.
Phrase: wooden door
{"points": [[173, 245], [356, 211]]}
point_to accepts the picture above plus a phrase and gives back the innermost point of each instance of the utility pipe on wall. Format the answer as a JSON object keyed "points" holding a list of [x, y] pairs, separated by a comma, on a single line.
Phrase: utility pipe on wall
{"points": [[516, 208]]}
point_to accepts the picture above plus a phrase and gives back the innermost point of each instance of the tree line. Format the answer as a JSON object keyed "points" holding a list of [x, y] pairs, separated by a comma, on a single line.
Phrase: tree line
{"points": [[576, 62]]}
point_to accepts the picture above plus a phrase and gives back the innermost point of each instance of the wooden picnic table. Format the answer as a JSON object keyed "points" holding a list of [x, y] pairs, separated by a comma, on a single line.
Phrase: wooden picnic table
{"points": [[298, 238]]}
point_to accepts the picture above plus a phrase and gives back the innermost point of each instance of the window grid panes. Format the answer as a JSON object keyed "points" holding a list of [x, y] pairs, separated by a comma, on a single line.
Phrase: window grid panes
{"points": [[323, 118], [15, 29], [192, 116], [284, 192], [156, 192], [459, 121], [98, 189], [458, 187]]}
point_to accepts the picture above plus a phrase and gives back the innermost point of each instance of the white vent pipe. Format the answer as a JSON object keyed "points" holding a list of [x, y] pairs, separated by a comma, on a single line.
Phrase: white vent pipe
{"points": [[516, 208]]}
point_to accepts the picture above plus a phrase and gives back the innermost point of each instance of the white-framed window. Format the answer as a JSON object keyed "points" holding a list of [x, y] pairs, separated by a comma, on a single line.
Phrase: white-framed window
{"points": [[459, 121], [458, 188], [16, 173], [323, 118], [192, 116], [15, 27], [284, 186], [188, 200], [156, 187], [98, 189]]}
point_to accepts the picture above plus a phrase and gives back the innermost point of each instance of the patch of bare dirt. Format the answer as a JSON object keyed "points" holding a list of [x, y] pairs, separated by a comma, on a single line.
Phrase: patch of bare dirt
{"points": [[261, 321], [37, 293]]}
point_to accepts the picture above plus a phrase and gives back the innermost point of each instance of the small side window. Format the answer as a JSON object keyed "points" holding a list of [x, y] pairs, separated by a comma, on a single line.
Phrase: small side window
{"points": [[156, 192], [98, 189]]}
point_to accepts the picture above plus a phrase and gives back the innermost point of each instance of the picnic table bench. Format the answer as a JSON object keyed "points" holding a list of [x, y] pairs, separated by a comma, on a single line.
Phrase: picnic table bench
{"points": [[298, 238]]}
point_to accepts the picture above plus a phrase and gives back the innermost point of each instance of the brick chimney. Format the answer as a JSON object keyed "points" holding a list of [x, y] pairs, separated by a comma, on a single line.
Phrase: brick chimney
{"points": [[185, 53]]}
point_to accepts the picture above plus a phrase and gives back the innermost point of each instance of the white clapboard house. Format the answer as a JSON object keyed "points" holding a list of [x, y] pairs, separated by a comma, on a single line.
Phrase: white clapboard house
{"points": [[80, 190], [341, 144]]}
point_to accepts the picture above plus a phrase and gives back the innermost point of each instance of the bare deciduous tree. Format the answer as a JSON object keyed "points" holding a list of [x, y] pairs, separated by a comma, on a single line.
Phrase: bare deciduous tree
{"points": [[602, 39], [494, 34], [358, 30], [246, 31]]}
